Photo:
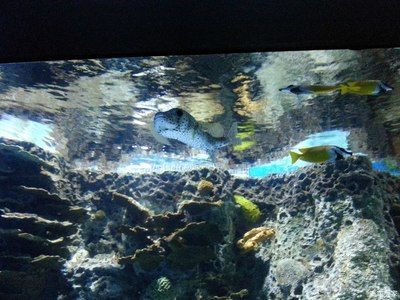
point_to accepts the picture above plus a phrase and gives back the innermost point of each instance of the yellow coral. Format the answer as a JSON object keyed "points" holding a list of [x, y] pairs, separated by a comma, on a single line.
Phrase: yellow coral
{"points": [[205, 186], [252, 239]]}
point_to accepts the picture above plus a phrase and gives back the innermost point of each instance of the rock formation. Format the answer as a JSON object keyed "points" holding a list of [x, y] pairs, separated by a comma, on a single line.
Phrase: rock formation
{"points": [[328, 231]]}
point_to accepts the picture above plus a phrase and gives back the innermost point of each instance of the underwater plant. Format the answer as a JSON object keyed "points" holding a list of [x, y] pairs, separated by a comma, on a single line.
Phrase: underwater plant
{"points": [[250, 211]]}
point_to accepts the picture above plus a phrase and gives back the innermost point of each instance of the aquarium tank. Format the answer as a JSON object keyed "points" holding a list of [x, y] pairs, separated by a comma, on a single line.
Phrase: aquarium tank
{"points": [[227, 176]]}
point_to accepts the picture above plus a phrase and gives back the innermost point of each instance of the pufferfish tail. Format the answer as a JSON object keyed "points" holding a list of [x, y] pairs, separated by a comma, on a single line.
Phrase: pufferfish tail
{"points": [[295, 156], [229, 138], [232, 134]]}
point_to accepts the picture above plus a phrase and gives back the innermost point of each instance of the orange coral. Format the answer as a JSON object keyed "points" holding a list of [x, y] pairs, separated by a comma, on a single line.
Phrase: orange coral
{"points": [[254, 237]]}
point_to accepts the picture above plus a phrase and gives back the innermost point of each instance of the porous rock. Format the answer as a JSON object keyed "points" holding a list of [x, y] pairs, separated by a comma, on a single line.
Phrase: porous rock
{"points": [[337, 233]]}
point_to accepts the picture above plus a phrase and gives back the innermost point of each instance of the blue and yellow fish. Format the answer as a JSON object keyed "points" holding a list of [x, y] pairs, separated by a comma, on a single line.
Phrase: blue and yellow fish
{"points": [[320, 154], [366, 87], [310, 89]]}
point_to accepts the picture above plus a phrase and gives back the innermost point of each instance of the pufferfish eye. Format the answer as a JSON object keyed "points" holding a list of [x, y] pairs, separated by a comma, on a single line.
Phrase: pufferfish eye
{"points": [[179, 112]]}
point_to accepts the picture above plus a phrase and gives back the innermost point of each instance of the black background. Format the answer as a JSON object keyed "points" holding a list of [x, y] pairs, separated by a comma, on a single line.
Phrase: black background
{"points": [[46, 30]]}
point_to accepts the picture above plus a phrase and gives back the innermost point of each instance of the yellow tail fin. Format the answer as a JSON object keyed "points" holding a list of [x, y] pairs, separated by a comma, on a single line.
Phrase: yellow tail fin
{"points": [[295, 156]]}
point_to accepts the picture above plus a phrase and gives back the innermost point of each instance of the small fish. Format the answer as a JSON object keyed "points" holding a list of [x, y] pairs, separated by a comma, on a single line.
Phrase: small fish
{"points": [[366, 87], [309, 89], [320, 154], [178, 124]]}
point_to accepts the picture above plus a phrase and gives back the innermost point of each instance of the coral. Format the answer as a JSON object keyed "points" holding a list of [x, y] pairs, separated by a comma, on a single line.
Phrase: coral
{"points": [[193, 244], [19, 154], [76, 214], [44, 195], [194, 234], [37, 225], [195, 208], [137, 232], [99, 215], [166, 223], [137, 212], [338, 233], [251, 240], [251, 212], [147, 258], [23, 243], [41, 262], [205, 187], [242, 294], [160, 289]]}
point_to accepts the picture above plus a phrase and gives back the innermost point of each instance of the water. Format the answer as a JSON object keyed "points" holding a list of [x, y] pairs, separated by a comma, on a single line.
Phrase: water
{"points": [[99, 110], [91, 120]]}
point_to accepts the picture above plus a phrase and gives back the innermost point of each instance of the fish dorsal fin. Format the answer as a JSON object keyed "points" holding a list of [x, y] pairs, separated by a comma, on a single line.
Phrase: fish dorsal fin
{"points": [[313, 149], [350, 82], [214, 129], [354, 85], [158, 137], [304, 150]]}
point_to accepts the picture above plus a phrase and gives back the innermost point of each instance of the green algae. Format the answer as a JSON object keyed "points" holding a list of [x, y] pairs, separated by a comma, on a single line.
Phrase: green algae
{"points": [[250, 211]]}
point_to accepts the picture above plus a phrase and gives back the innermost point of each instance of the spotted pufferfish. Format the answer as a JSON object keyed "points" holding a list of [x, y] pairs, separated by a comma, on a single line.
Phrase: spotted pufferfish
{"points": [[178, 124]]}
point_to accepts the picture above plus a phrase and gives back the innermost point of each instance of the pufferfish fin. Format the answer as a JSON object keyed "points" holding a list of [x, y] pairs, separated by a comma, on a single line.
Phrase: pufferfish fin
{"points": [[158, 137], [232, 134], [214, 129]]}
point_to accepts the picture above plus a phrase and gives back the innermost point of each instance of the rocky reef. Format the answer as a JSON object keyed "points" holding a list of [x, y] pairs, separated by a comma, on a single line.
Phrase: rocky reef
{"points": [[328, 231], [37, 225]]}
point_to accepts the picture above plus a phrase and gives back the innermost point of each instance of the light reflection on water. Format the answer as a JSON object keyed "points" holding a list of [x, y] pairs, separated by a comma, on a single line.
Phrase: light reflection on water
{"points": [[98, 112], [17, 129]]}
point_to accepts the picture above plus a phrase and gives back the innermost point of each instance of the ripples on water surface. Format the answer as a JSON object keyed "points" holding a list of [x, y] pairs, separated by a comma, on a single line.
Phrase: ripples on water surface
{"points": [[96, 113]]}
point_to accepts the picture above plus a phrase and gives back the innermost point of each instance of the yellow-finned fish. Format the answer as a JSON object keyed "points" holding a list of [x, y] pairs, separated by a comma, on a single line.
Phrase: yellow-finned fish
{"points": [[365, 87], [178, 124], [320, 154], [310, 89]]}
